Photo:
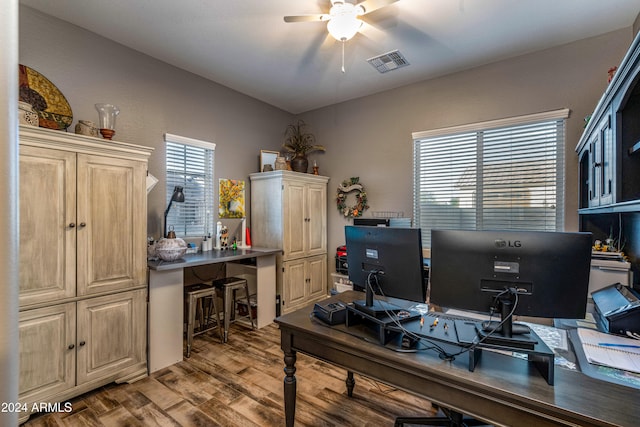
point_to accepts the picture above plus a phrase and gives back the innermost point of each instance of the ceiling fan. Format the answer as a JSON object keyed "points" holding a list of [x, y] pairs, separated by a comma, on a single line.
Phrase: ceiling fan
{"points": [[344, 18]]}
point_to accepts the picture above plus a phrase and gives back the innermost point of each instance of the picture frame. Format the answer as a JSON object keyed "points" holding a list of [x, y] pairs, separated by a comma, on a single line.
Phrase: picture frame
{"points": [[231, 198], [268, 158]]}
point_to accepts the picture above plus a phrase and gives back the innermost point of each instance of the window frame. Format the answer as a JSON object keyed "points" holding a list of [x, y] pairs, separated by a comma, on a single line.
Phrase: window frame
{"points": [[202, 200], [474, 132]]}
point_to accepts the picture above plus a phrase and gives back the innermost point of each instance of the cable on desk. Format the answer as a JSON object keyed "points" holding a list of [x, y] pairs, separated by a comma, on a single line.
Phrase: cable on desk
{"points": [[426, 344], [442, 353], [412, 335]]}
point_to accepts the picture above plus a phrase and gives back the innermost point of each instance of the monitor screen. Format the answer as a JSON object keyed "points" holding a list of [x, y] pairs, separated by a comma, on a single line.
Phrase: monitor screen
{"points": [[388, 258], [548, 272]]}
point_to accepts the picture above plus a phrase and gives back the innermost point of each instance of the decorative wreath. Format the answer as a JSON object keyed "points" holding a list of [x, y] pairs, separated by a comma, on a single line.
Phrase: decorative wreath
{"points": [[348, 186]]}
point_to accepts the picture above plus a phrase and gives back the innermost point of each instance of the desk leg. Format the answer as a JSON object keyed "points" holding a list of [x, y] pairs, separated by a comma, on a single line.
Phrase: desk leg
{"points": [[166, 295], [289, 386], [350, 383], [265, 290]]}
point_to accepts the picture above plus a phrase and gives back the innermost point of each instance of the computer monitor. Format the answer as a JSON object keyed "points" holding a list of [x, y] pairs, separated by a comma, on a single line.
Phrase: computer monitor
{"points": [[538, 274], [387, 261]]}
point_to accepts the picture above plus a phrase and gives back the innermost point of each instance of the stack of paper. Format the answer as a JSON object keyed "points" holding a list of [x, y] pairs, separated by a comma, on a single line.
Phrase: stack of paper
{"points": [[610, 350]]}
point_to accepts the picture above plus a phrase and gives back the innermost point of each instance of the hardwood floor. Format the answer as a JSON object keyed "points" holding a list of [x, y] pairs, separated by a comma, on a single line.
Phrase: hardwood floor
{"points": [[238, 384]]}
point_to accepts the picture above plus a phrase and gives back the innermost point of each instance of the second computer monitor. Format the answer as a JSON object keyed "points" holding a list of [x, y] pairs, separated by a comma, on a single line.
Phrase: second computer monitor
{"points": [[548, 272], [389, 259]]}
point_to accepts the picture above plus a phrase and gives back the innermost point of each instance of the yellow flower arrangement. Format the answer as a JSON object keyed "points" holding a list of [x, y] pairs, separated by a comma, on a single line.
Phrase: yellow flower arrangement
{"points": [[231, 203]]}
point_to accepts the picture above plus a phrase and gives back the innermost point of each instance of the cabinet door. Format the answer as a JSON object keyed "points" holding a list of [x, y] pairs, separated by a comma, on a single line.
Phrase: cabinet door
{"points": [[602, 164], [317, 276], [47, 225], [607, 158], [316, 208], [295, 220], [111, 224], [47, 353], [111, 334], [294, 284]]}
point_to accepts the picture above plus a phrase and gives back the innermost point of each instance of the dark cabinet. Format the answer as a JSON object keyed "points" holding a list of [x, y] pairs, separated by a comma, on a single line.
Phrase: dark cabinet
{"points": [[609, 162], [598, 165], [609, 149], [628, 117]]}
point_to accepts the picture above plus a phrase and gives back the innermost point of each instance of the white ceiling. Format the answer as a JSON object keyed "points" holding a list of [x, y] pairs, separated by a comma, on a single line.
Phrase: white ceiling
{"points": [[246, 45]]}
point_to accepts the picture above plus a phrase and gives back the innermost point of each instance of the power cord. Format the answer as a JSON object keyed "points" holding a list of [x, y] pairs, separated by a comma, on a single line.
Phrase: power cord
{"points": [[217, 275], [421, 340], [395, 319]]}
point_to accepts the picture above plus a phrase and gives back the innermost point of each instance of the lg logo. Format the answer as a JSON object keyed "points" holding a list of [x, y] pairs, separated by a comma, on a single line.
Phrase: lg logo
{"points": [[508, 243]]}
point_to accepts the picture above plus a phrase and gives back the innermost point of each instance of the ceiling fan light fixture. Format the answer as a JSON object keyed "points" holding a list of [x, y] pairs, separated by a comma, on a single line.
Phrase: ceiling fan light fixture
{"points": [[344, 22]]}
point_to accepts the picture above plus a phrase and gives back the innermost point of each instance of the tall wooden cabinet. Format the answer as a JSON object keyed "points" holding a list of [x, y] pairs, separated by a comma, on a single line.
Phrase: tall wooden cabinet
{"points": [[83, 316], [289, 210]]}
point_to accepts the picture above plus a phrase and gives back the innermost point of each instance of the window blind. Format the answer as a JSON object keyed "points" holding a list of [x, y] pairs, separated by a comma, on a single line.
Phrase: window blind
{"points": [[189, 164], [504, 175]]}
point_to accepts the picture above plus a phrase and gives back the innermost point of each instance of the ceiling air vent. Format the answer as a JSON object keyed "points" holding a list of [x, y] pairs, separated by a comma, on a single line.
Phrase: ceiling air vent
{"points": [[388, 61]]}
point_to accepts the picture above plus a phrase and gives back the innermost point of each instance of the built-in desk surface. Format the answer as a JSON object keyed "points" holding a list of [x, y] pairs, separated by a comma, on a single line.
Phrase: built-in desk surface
{"points": [[211, 257], [166, 289]]}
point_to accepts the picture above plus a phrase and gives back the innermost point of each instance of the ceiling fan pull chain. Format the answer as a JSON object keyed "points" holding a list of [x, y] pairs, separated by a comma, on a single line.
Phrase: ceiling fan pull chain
{"points": [[343, 56]]}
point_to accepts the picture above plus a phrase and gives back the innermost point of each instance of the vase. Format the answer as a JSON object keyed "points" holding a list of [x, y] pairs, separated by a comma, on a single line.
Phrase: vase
{"points": [[281, 163], [107, 116], [86, 127], [170, 249], [26, 114], [300, 163]]}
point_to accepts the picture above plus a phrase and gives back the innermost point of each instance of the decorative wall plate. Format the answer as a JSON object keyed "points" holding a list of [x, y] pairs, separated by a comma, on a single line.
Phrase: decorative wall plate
{"points": [[52, 107]]}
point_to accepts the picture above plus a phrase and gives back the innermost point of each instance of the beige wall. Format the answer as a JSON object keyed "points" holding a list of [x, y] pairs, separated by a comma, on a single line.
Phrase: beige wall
{"points": [[154, 98], [371, 137], [368, 137]]}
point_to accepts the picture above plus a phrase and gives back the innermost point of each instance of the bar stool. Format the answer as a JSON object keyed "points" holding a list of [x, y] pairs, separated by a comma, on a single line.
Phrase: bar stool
{"points": [[227, 288], [200, 300]]}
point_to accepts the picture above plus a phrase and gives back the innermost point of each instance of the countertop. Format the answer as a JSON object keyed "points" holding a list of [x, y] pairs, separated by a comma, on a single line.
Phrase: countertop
{"points": [[210, 257]]}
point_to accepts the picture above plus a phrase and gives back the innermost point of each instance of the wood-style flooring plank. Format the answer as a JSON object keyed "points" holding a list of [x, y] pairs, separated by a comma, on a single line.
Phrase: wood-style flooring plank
{"points": [[238, 384]]}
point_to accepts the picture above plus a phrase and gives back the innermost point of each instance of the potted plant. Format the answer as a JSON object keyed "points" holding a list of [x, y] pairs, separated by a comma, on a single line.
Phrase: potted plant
{"points": [[299, 142]]}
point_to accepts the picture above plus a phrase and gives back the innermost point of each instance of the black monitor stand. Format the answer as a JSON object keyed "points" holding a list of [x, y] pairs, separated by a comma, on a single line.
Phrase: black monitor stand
{"points": [[505, 332], [374, 307], [379, 314]]}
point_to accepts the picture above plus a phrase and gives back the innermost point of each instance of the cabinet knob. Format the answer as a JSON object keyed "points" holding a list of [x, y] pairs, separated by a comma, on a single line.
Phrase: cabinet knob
{"points": [[71, 346], [83, 224], [73, 224], [82, 343]]}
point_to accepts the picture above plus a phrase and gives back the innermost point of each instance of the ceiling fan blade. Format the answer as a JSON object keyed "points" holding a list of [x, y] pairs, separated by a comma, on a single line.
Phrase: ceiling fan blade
{"points": [[307, 18], [371, 5]]}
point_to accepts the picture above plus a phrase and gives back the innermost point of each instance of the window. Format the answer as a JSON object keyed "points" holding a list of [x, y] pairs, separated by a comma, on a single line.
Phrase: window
{"points": [[189, 164], [500, 175]]}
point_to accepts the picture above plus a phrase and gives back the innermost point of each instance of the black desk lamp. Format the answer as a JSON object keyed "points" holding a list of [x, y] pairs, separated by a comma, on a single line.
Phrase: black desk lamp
{"points": [[177, 196]]}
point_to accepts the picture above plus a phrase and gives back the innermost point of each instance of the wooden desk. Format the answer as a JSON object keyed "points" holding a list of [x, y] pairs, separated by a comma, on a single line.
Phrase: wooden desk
{"points": [[502, 390], [166, 287]]}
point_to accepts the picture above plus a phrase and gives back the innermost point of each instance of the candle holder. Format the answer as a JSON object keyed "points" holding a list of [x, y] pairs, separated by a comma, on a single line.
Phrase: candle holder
{"points": [[107, 114]]}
